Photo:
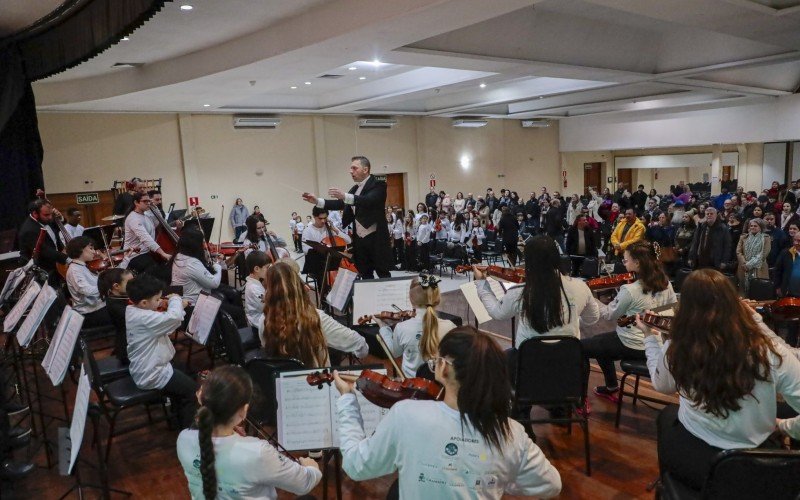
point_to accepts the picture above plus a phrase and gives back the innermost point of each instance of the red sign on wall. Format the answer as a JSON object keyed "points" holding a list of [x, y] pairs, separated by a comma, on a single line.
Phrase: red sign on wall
{"points": [[194, 201], [433, 183]]}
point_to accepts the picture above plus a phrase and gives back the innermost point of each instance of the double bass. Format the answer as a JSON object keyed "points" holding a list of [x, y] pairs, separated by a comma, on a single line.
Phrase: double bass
{"points": [[166, 236]]}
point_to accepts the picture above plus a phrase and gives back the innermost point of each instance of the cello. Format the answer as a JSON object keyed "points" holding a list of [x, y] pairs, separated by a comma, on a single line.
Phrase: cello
{"points": [[166, 237]]}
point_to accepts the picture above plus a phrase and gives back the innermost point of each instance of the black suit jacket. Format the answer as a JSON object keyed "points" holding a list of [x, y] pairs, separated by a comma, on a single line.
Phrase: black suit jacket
{"points": [[49, 252], [370, 207]]}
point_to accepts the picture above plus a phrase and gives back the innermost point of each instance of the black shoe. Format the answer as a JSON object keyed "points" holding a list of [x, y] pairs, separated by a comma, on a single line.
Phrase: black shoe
{"points": [[15, 470], [13, 408], [18, 438]]}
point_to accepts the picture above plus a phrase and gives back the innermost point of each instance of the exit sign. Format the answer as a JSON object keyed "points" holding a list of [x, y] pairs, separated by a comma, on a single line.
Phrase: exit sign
{"points": [[87, 198]]}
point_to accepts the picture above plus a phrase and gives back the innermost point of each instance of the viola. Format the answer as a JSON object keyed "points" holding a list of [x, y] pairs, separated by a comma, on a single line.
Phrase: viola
{"points": [[612, 281], [381, 390], [388, 315], [512, 274]]}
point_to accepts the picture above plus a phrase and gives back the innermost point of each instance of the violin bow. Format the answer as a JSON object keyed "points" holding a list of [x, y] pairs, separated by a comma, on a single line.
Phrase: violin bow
{"points": [[388, 353], [271, 439], [108, 251], [219, 236]]}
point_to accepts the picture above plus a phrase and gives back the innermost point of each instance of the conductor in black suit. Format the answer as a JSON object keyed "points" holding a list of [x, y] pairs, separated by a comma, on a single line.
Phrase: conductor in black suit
{"points": [[364, 207], [41, 217]]}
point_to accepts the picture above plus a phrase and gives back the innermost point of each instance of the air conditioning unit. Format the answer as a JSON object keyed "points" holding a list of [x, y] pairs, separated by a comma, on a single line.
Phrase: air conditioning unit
{"points": [[256, 122], [469, 123], [376, 122], [535, 123]]}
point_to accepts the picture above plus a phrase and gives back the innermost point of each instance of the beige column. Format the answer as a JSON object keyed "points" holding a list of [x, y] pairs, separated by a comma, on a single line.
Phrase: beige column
{"points": [[716, 162], [188, 157], [320, 155]]}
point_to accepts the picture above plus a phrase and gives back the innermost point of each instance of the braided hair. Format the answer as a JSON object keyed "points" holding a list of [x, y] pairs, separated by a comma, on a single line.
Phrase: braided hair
{"points": [[226, 390]]}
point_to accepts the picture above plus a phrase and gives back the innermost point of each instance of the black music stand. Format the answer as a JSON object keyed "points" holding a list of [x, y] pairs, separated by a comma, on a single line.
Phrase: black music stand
{"points": [[329, 253]]}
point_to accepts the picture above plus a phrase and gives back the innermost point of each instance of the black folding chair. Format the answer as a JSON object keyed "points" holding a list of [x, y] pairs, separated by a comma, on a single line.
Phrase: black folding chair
{"points": [[550, 371], [264, 407], [743, 475], [238, 342]]}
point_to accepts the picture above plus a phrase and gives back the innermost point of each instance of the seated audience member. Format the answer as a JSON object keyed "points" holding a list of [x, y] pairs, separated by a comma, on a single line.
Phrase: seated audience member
{"points": [[549, 303], [471, 366], [216, 458], [112, 285], [257, 267], [150, 349], [294, 328], [711, 243], [628, 231], [652, 289], [192, 271], [727, 368], [82, 283], [417, 339]]}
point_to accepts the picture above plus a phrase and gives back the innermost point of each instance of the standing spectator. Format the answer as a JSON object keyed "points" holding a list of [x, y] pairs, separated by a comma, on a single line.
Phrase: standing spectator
{"points": [[430, 199], [719, 201], [239, 215], [544, 196], [683, 237], [554, 223], [258, 215], [459, 203], [751, 254], [491, 200], [445, 201], [778, 239], [788, 215], [787, 282], [470, 202], [622, 197], [735, 227], [397, 230], [508, 230], [711, 244], [653, 195], [661, 231], [574, 207], [532, 208], [638, 199], [628, 231]]}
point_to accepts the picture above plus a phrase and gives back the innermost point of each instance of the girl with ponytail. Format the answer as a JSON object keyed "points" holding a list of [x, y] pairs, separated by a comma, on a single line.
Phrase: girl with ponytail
{"points": [[219, 463], [417, 339], [465, 446]]}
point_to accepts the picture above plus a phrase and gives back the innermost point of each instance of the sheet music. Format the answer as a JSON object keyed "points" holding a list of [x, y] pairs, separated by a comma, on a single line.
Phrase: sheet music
{"points": [[21, 306], [56, 360], [78, 424], [370, 297], [470, 291], [203, 316], [307, 415], [43, 301], [15, 277], [340, 291]]}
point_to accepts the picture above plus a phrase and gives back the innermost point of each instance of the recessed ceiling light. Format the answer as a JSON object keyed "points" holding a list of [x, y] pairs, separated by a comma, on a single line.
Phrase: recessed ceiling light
{"points": [[483, 85], [186, 7], [376, 62], [362, 77], [352, 68], [541, 97], [307, 83], [125, 38], [206, 105], [293, 87]]}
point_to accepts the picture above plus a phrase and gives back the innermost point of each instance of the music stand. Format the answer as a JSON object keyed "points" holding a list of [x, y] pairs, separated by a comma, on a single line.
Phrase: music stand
{"points": [[329, 253]]}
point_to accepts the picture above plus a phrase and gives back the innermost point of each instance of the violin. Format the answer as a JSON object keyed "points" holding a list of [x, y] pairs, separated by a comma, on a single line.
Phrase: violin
{"points": [[612, 281], [381, 390], [781, 309], [654, 320], [512, 274], [438, 225], [388, 315]]}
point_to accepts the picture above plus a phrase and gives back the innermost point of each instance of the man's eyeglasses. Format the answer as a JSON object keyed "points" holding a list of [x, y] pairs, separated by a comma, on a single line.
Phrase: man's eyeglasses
{"points": [[433, 361]]}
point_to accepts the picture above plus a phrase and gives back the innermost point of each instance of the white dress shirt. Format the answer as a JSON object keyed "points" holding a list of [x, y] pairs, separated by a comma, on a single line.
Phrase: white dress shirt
{"points": [[254, 301], [193, 276], [632, 300], [314, 233], [140, 232], [349, 199], [74, 231]]}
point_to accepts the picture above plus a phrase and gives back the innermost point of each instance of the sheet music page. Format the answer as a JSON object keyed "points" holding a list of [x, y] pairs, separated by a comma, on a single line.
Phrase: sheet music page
{"points": [[43, 301], [12, 282], [370, 297], [78, 424], [470, 291], [371, 413], [69, 326], [21, 306], [304, 413], [340, 291], [203, 316]]}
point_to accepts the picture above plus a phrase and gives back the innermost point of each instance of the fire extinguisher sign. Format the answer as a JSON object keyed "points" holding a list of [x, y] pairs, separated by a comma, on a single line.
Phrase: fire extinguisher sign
{"points": [[194, 201], [564, 176]]}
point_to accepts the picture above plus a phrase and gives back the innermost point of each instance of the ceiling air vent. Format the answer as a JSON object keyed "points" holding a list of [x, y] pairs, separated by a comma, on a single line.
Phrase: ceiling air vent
{"points": [[376, 122], [256, 122], [535, 123], [469, 123]]}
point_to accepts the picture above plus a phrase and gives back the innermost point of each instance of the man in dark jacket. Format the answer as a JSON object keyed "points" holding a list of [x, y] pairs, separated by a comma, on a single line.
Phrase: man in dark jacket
{"points": [[430, 198], [40, 219], [554, 222], [787, 282], [711, 244], [639, 199], [778, 238]]}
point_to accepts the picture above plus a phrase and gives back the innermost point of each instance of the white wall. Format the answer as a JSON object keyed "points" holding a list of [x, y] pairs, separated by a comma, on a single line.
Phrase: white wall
{"points": [[774, 163], [770, 119]]}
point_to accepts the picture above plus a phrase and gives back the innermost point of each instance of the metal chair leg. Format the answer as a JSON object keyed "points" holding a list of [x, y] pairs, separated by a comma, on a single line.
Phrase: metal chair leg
{"points": [[619, 399], [636, 390]]}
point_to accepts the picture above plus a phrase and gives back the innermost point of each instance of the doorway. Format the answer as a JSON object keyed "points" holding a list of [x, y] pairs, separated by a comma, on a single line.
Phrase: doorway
{"points": [[591, 177], [625, 175], [395, 194]]}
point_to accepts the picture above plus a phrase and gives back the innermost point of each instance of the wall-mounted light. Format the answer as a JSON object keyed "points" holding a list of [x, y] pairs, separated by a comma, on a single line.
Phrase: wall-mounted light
{"points": [[465, 161]]}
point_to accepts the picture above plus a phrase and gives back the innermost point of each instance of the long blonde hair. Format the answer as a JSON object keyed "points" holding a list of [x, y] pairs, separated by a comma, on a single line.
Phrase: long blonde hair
{"points": [[429, 298], [291, 323]]}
